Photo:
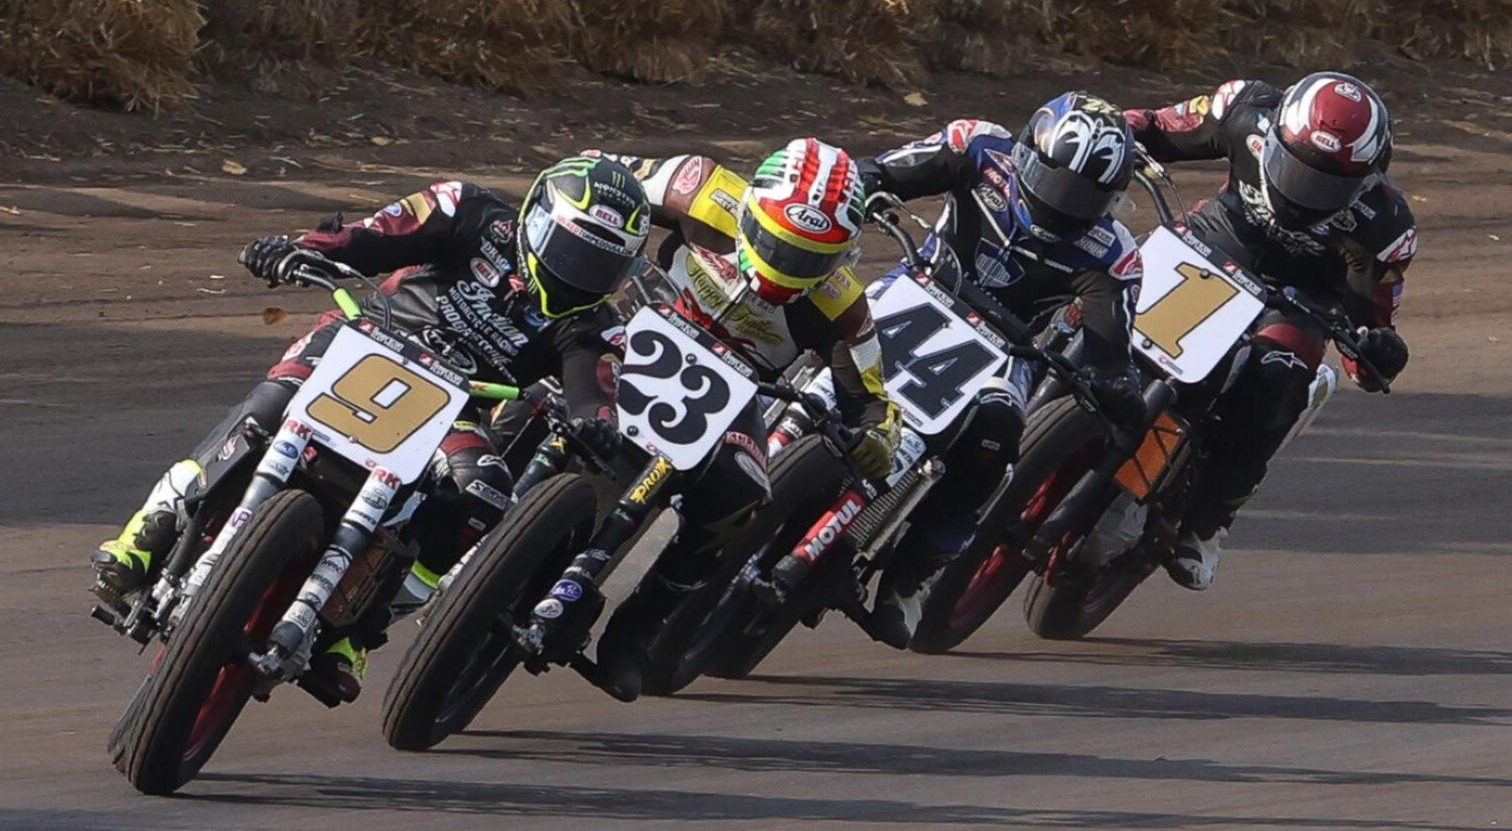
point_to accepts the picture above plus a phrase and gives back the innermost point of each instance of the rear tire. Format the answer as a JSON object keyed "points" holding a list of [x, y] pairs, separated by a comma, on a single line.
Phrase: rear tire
{"points": [[1073, 607], [195, 693], [465, 650], [968, 590], [738, 633]]}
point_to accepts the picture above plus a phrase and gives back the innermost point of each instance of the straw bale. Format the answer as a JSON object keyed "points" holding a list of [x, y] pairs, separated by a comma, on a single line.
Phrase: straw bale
{"points": [[1300, 33], [510, 45], [1480, 30], [277, 45], [1151, 33], [133, 54], [648, 41], [992, 37], [866, 41]]}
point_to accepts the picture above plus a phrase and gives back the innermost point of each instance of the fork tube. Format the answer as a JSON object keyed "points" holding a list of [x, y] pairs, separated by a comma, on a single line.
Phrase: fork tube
{"points": [[273, 471], [592, 564], [352, 536]]}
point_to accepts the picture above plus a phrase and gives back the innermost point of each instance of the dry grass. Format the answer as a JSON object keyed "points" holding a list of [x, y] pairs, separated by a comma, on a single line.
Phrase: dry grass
{"points": [[1480, 30], [865, 41], [509, 45], [131, 54], [652, 41], [277, 46]]}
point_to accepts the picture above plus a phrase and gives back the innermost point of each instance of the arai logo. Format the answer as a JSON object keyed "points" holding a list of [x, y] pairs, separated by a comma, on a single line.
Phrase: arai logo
{"points": [[807, 217]]}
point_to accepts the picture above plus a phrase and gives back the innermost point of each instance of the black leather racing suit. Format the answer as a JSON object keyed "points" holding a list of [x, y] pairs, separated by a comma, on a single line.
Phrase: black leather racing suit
{"points": [[1356, 260]]}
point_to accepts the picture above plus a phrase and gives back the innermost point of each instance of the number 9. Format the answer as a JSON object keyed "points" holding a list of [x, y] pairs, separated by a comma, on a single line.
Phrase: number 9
{"points": [[378, 403]]}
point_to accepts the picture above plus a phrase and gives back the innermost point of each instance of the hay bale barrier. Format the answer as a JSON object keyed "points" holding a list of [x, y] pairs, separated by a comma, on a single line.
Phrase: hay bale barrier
{"points": [[142, 54], [507, 45], [277, 46], [659, 42], [863, 41], [126, 54]]}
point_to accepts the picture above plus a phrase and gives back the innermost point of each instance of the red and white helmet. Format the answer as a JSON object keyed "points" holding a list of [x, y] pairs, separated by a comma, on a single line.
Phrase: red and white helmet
{"points": [[1328, 140], [799, 219]]}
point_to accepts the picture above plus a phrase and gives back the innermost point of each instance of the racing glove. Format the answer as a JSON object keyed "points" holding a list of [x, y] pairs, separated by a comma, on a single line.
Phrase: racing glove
{"points": [[600, 435], [1119, 395], [1385, 350], [267, 258], [873, 455]]}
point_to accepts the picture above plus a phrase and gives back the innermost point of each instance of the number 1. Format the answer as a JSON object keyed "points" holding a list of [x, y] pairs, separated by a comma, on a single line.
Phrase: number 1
{"points": [[1198, 296]]}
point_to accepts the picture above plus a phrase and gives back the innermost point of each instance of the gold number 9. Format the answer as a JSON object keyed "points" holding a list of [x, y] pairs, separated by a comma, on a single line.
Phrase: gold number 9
{"points": [[378, 403]]}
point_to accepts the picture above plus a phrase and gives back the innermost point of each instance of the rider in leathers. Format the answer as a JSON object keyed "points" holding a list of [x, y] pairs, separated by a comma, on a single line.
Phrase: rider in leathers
{"points": [[504, 294], [1028, 221], [1308, 205], [764, 266]]}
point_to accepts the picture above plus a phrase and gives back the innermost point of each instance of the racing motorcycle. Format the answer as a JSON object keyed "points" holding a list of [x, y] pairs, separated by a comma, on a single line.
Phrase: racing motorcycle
{"points": [[529, 593], [1094, 510], [301, 540], [828, 532]]}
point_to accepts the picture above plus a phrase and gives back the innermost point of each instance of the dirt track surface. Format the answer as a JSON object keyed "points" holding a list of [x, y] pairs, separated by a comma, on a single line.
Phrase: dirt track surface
{"points": [[1351, 669]]}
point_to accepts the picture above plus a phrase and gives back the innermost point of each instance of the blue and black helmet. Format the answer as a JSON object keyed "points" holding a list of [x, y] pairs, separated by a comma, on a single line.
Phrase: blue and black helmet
{"points": [[1073, 158]]}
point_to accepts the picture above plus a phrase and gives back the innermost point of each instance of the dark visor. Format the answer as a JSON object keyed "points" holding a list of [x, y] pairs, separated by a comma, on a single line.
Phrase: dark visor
{"points": [[575, 256], [1307, 186], [1060, 188], [786, 258]]}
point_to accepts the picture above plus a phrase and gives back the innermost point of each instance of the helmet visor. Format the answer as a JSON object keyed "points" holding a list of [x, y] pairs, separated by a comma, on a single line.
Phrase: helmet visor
{"points": [[575, 256], [783, 262], [1059, 188], [1306, 186]]}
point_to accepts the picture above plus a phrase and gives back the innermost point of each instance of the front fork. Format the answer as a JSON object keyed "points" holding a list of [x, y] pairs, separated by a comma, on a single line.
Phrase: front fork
{"points": [[590, 567]]}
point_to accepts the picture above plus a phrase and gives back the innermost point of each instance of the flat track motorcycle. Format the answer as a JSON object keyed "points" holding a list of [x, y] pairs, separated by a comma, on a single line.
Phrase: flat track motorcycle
{"points": [[1093, 510], [301, 539]]}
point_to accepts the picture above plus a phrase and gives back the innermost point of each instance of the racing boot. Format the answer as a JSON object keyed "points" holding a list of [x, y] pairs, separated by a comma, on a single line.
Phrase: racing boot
{"points": [[124, 564], [1195, 560], [336, 674], [419, 586]]}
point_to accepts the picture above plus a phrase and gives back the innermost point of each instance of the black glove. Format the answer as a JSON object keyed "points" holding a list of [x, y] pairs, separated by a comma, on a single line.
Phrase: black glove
{"points": [[1119, 395], [600, 435], [267, 258], [1386, 351]]}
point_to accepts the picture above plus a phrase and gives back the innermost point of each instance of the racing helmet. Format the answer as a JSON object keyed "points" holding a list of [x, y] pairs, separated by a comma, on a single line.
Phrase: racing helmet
{"points": [[1327, 141], [1072, 159]]}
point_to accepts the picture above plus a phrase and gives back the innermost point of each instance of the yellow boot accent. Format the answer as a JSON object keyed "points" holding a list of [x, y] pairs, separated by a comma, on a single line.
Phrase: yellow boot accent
{"points": [[355, 655]]}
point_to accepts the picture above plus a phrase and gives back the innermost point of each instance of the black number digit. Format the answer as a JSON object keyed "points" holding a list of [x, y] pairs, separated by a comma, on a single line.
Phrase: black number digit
{"points": [[658, 356], [901, 333], [939, 376]]}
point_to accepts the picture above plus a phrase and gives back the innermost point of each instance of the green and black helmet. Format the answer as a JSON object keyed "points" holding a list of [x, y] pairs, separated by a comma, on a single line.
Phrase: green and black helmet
{"points": [[583, 223]]}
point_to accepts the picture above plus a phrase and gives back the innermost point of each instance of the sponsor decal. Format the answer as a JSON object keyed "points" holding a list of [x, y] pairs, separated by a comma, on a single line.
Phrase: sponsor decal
{"points": [[566, 591], [227, 450], [1325, 141], [485, 272], [1402, 248], [834, 525], [490, 460], [755, 470], [991, 198], [375, 501], [1102, 235], [394, 209], [284, 449], [296, 347], [689, 176], [724, 200], [659, 473], [1348, 90], [1256, 145], [1092, 247], [807, 217], [298, 428], [607, 215], [747, 444], [549, 609], [488, 493], [501, 231], [418, 204], [1287, 359]]}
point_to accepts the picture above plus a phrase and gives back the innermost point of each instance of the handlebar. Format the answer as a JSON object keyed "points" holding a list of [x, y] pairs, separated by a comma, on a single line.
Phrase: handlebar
{"points": [[1344, 337]]}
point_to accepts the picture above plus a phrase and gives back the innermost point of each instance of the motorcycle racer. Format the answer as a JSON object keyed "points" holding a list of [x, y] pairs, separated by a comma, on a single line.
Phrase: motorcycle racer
{"points": [[504, 294], [764, 265], [1307, 205], [1027, 219]]}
